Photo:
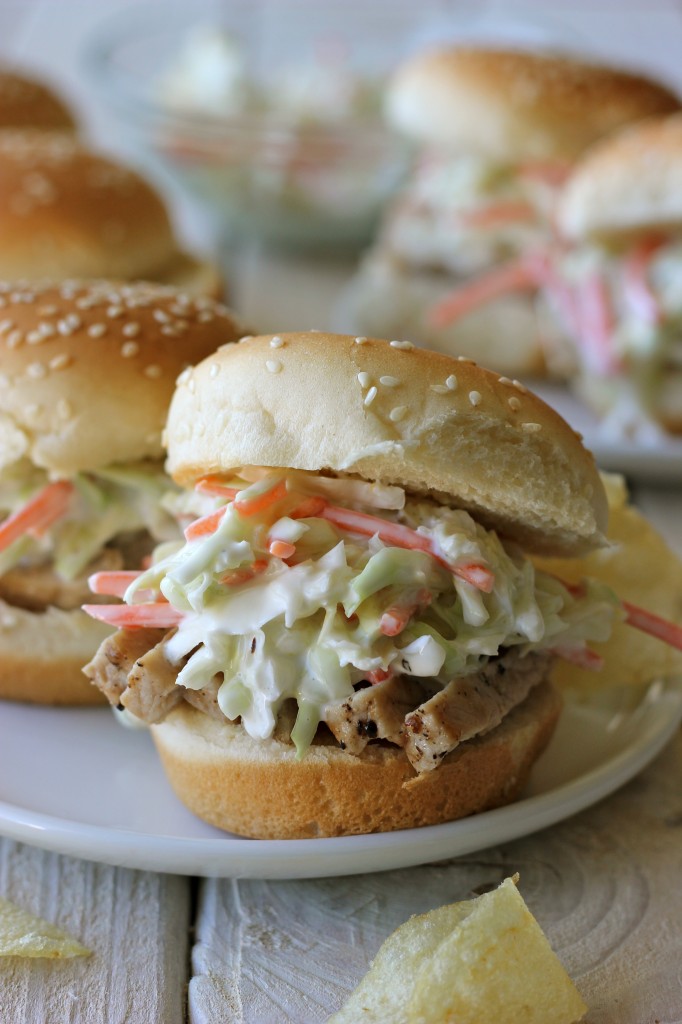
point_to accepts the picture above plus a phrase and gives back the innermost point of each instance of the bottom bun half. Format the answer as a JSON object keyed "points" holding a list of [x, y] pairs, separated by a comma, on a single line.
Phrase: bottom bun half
{"points": [[258, 788], [42, 655]]}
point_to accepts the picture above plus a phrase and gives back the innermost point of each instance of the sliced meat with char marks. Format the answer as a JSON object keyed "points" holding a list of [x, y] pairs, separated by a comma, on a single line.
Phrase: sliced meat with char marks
{"points": [[375, 712], [115, 657], [470, 706]]}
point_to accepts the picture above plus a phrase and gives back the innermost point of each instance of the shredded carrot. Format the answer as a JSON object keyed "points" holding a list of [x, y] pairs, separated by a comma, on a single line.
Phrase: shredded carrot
{"points": [[654, 625], [400, 536], [582, 657], [38, 514], [596, 324], [236, 576], [477, 575], [395, 618], [520, 275], [308, 509], [638, 292], [205, 526], [253, 506], [113, 584], [135, 616], [213, 486], [379, 675], [282, 549]]}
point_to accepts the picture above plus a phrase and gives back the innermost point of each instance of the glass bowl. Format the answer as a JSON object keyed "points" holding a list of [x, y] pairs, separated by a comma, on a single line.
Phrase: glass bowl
{"points": [[270, 114]]}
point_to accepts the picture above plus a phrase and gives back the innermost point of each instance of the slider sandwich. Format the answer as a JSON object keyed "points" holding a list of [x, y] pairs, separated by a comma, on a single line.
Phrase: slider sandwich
{"points": [[86, 375], [616, 284], [455, 262], [67, 212], [351, 637]]}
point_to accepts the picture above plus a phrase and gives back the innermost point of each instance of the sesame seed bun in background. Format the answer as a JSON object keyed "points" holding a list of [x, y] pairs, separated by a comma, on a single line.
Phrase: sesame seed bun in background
{"points": [[512, 105], [390, 413], [27, 103], [629, 182], [86, 374], [67, 212]]}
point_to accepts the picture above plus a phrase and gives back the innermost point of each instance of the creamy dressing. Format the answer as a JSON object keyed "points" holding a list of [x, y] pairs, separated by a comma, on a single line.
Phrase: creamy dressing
{"points": [[311, 629]]}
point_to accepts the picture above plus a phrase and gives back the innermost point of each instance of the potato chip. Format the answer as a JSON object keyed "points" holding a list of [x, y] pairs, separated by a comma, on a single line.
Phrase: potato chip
{"points": [[23, 934], [641, 568], [481, 960]]}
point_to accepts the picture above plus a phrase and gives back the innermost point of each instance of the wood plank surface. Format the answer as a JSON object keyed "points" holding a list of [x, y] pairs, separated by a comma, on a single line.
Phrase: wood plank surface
{"points": [[136, 924]]}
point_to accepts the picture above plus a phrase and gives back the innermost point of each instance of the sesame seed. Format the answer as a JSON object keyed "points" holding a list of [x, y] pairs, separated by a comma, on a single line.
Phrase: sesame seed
{"points": [[184, 376], [131, 330], [97, 330], [48, 310], [6, 325], [215, 370], [129, 349], [440, 389], [519, 386], [465, 359], [73, 320], [370, 396], [533, 428], [475, 397], [206, 316], [247, 337], [170, 330], [405, 346], [365, 379], [14, 339], [161, 316], [514, 404], [389, 382], [152, 371], [60, 362], [276, 342], [191, 385], [64, 409], [451, 382], [273, 365], [397, 413], [64, 327], [504, 380], [34, 337], [36, 370], [114, 311], [361, 340]]}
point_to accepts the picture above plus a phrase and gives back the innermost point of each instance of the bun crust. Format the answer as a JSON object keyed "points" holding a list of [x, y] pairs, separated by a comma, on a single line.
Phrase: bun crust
{"points": [[396, 414], [88, 370], [257, 787], [42, 655], [631, 181], [26, 103], [66, 212], [510, 105]]}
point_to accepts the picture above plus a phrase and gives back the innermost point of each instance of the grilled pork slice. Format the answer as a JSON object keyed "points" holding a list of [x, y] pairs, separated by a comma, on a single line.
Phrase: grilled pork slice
{"points": [[133, 671], [470, 706]]}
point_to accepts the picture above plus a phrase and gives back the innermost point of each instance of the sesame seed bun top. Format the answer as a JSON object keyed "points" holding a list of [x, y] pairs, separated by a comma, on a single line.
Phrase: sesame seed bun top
{"points": [[66, 212], [511, 106], [629, 182], [387, 411], [26, 103], [87, 369]]}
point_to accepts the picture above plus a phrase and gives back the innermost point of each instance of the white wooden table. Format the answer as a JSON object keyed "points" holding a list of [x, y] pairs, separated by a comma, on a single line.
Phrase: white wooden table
{"points": [[606, 885]]}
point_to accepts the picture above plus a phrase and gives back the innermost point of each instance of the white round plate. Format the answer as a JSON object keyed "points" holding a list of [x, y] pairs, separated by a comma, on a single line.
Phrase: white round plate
{"points": [[76, 782]]}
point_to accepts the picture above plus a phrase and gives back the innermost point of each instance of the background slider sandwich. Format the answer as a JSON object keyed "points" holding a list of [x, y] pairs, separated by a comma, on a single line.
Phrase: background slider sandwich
{"points": [[351, 637], [87, 373]]}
